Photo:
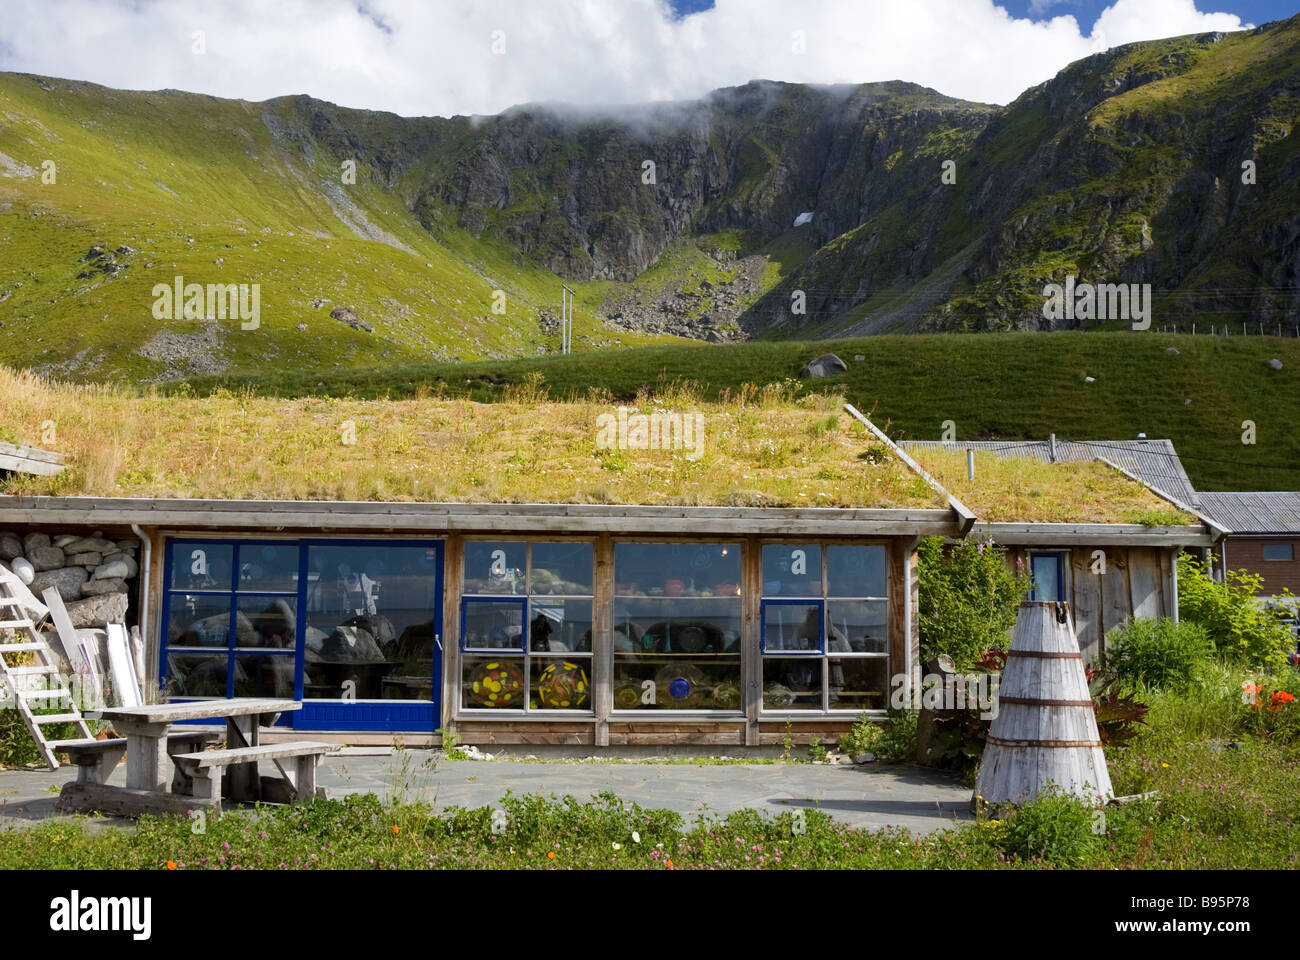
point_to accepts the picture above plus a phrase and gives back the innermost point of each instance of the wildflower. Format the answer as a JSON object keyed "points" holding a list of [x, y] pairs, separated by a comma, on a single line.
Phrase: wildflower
{"points": [[550, 854], [396, 829], [636, 837], [618, 846], [669, 863], [171, 864], [1164, 764]]}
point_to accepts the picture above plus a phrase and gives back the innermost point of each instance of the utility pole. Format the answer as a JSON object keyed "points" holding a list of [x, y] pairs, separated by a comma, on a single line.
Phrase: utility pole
{"points": [[566, 319]]}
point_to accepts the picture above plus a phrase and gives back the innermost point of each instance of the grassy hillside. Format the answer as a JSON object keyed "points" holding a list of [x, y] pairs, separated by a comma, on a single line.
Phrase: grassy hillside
{"points": [[202, 188], [1013, 386]]}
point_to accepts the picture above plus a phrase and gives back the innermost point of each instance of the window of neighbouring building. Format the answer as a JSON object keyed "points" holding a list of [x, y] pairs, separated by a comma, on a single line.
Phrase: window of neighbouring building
{"points": [[526, 625], [677, 623], [1048, 571], [825, 627], [1279, 551]]}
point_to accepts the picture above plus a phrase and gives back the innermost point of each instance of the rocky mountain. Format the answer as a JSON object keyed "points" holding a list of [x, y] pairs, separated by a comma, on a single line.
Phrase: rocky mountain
{"points": [[767, 210]]}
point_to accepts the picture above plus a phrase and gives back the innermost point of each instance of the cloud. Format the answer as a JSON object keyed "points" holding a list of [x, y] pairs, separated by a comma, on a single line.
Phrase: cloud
{"points": [[443, 57]]}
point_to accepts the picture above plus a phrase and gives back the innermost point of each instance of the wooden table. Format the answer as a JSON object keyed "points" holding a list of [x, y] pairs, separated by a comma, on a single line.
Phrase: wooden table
{"points": [[148, 767]]}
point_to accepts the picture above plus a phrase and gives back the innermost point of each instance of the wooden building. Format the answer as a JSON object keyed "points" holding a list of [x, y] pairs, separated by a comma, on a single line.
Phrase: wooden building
{"points": [[577, 623], [1265, 536]]}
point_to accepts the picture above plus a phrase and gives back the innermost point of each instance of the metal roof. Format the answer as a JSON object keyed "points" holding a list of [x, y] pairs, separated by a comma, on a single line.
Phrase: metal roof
{"points": [[1154, 462], [1255, 513]]}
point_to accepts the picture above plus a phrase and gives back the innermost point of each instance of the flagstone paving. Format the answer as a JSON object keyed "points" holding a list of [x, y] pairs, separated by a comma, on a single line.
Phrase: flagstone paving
{"points": [[869, 795]]}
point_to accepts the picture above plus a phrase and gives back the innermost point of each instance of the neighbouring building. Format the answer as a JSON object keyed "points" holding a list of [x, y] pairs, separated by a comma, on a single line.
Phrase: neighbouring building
{"points": [[1265, 536]]}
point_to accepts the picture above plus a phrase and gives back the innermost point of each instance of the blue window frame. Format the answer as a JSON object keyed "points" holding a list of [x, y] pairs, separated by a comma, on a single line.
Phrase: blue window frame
{"points": [[1048, 571], [289, 618]]}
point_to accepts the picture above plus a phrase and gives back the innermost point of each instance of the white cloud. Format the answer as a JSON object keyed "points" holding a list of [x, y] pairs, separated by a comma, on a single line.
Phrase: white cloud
{"points": [[420, 57]]}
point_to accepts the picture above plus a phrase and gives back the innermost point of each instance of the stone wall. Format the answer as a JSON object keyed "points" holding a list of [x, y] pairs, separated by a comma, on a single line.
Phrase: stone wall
{"points": [[95, 576]]}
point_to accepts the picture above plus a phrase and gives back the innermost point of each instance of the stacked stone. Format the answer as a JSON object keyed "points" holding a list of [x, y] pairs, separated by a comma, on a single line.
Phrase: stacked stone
{"points": [[92, 574]]}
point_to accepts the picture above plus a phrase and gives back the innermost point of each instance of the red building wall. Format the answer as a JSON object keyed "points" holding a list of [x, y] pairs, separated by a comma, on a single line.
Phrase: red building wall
{"points": [[1248, 553]]}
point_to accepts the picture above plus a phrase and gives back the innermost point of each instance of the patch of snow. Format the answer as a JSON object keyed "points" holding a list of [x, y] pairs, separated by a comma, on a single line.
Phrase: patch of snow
{"points": [[803, 218]]}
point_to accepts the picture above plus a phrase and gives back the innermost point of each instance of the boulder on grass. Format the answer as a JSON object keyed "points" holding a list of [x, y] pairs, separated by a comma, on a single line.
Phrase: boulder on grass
{"points": [[827, 365]]}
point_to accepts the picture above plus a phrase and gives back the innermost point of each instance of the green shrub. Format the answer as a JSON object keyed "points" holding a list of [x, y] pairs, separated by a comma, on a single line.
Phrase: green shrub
{"points": [[898, 737], [863, 737], [1239, 627], [1161, 654], [1054, 826], [968, 598]]}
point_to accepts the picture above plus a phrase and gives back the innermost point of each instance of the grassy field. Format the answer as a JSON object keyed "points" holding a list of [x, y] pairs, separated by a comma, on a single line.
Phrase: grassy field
{"points": [[1010, 386]]}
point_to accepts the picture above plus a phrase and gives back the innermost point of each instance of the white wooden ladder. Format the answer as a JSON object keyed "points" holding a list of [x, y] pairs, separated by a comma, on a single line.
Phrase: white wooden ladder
{"points": [[17, 628]]}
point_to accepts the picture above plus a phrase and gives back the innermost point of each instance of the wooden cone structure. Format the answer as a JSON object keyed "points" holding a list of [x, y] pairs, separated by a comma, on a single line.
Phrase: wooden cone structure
{"points": [[1045, 730]]}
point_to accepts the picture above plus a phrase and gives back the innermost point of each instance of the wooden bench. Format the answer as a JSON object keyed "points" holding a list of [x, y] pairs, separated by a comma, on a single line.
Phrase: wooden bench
{"points": [[203, 770], [97, 759]]}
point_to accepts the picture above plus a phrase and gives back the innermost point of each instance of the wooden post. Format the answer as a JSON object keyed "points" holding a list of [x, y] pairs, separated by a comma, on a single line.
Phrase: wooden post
{"points": [[452, 568], [146, 754], [751, 660], [602, 638], [245, 784]]}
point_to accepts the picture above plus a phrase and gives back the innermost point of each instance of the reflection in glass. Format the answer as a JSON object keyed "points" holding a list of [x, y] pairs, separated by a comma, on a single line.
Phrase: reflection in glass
{"points": [[859, 683], [857, 571], [494, 625], [857, 626], [202, 566], [495, 567], [264, 675], [268, 567], [198, 620], [676, 570], [266, 622], [792, 626], [370, 621], [559, 626], [562, 569], [196, 674], [792, 570], [792, 683]]}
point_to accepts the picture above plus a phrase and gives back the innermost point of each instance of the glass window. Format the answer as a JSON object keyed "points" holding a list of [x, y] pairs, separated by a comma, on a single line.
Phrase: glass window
{"points": [[370, 614], [1046, 570], [830, 652], [677, 616], [1279, 551], [231, 596], [526, 625]]}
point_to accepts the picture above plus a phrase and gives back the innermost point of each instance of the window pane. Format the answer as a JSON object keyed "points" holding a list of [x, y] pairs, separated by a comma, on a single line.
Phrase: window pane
{"points": [[792, 570], [371, 614], [792, 626], [560, 626], [859, 683], [676, 570], [268, 567], [263, 675], [199, 620], [677, 653], [677, 626], [1046, 569], [650, 682], [1279, 551], [562, 568], [493, 625], [792, 683], [266, 622], [855, 572], [196, 674], [202, 566], [493, 683], [494, 567], [857, 626], [560, 684]]}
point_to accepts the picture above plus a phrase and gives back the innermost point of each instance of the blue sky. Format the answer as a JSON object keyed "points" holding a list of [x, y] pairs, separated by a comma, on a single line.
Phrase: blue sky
{"points": [[1087, 11]]}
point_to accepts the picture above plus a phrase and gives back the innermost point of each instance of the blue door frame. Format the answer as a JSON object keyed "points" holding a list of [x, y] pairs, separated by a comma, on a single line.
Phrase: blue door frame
{"points": [[421, 716]]}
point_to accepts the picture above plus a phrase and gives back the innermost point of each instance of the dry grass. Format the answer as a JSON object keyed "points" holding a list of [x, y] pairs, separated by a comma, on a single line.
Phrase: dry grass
{"points": [[760, 449], [1021, 488]]}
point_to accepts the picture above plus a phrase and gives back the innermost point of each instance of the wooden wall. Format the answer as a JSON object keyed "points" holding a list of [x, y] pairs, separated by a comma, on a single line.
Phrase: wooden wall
{"points": [[1136, 582]]}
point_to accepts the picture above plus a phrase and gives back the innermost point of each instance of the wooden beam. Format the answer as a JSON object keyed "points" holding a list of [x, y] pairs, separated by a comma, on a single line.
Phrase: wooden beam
{"points": [[1099, 534], [967, 518], [33, 460]]}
